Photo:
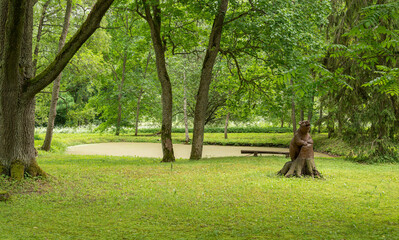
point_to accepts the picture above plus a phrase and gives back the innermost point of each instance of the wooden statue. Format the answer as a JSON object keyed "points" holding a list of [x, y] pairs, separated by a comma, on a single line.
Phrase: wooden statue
{"points": [[301, 153]]}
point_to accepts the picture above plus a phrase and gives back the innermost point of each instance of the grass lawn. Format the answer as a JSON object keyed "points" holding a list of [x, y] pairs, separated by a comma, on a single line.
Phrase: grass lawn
{"points": [[95, 197]]}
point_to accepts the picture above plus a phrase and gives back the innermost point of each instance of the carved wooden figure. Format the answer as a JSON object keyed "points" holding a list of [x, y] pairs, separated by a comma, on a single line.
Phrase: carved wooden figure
{"points": [[301, 153]]}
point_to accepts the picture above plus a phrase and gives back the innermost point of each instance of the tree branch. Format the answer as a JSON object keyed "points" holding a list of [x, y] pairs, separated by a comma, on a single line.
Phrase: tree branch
{"points": [[235, 18], [92, 22], [251, 81]]}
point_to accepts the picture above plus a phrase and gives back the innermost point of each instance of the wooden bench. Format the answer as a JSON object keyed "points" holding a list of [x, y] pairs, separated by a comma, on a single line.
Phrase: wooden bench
{"points": [[256, 152]]}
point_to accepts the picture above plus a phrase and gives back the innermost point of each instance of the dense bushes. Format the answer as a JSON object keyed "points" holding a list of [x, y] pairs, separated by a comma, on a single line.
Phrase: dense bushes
{"points": [[230, 130]]}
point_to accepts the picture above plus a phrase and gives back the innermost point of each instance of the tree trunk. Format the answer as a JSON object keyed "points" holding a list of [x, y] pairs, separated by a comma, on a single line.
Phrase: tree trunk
{"points": [[302, 115], [320, 118], [17, 123], [56, 84], [3, 19], [18, 87], [303, 165], [282, 121], [185, 107], [226, 124], [206, 78], [154, 21], [330, 126]]}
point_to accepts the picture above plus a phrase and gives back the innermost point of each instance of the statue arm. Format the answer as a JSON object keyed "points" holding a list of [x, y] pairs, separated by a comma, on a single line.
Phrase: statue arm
{"points": [[300, 142]]}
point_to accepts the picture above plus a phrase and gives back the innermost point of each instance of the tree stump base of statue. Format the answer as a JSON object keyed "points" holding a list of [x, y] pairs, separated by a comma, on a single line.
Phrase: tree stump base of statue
{"points": [[303, 165]]}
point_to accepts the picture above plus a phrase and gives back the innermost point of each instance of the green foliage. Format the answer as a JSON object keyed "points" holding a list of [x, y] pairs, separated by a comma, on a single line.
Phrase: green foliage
{"points": [[337, 58], [377, 44], [363, 57], [378, 151], [241, 130]]}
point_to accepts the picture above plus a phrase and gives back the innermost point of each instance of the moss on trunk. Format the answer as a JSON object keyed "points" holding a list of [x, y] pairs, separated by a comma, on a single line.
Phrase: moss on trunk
{"points": [[34, 170], [17, 170]]}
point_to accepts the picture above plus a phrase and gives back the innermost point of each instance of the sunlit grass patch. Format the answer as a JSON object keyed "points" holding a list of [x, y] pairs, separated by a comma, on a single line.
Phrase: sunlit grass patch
{"points": [[98, 197]]}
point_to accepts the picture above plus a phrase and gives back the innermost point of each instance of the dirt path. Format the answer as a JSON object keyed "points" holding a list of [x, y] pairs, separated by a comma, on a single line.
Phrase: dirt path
{"points": [[155, 150]]}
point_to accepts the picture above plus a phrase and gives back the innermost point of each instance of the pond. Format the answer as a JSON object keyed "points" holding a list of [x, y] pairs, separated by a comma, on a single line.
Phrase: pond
{"points": [[154, 150]]}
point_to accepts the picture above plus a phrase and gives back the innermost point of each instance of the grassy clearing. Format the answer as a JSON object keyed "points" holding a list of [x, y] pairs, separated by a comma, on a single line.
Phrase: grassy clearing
{"points": [[94, 197]]}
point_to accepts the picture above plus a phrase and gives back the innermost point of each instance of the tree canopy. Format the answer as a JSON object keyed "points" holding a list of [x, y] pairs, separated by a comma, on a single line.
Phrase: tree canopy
{"points": [[200, 63]]}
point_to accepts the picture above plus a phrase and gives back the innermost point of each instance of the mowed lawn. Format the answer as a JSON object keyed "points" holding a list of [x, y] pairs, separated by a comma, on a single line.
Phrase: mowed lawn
{"points": [[96, 197]]}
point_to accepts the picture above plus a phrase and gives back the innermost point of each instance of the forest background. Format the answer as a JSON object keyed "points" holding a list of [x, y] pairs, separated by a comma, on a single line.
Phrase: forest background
{"points": [[331, 62]]}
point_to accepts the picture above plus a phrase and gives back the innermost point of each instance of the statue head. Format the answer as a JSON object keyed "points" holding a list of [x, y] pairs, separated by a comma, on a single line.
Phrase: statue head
{"points": [[304, 126]]}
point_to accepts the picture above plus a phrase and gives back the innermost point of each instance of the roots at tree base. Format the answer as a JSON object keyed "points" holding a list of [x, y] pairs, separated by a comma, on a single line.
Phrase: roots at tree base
{"points": [[303, 165], [300, 167], [18, 170]]}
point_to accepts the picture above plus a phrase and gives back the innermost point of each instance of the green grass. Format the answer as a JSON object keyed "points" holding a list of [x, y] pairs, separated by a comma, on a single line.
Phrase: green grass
{"points": [[96, 197], [102, 197]]}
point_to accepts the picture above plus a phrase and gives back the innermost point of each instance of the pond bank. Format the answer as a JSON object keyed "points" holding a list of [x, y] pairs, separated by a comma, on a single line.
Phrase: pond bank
{"points": [[155, 150]]}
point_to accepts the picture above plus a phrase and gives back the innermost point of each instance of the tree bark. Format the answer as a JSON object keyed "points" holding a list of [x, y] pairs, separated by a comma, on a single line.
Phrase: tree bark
{"points": [[320, 117], [57, 82], [154, 21], [3, 19], [226, 124], [17, 152], [206, 78], [18, 87]]}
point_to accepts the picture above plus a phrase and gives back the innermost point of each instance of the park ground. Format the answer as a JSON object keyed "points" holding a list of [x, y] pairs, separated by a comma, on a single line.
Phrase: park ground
{"points": [[104, 197]]}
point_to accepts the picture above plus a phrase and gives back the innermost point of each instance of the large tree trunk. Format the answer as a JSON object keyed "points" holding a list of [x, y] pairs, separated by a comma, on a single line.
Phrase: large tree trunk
{"points": [[57, 82], [3, 20], [154, 21], [206, 78], [17, 123], [18, 89], [303, 165]]}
